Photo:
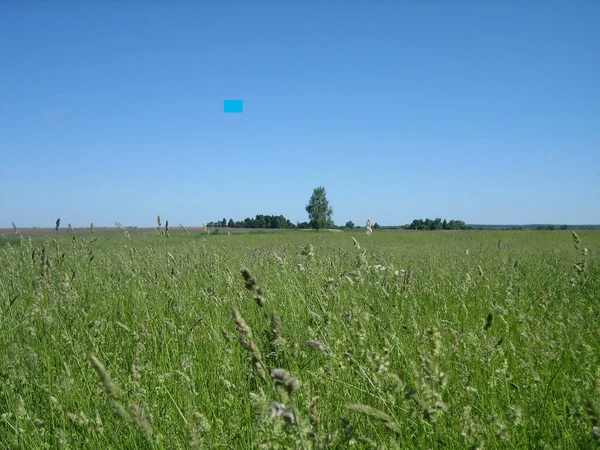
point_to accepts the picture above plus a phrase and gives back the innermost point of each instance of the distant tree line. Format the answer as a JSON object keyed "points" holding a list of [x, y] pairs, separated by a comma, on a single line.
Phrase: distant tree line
{"points": [[437, 224], [260, 221], [552, 227], [280, 222]]}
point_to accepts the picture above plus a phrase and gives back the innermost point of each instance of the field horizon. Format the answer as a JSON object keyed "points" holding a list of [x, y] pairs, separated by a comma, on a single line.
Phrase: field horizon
{"points": [[177, 229]]}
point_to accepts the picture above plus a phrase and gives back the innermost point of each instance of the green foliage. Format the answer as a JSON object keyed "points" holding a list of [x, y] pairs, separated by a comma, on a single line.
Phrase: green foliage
{"points": [[436, 224], [318, 209], [300, 340], [260, 221]]}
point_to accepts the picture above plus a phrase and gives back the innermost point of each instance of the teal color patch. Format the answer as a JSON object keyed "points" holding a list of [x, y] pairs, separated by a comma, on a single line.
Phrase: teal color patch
{"points": [[233, 106]]}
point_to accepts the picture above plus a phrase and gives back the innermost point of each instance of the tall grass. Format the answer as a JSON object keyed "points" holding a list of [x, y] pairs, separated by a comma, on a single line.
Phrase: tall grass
{"points": [[301, 340]]}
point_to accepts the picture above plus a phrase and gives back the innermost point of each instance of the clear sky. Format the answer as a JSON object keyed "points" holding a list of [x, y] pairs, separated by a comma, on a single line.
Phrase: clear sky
{"points": [[483, 111]]}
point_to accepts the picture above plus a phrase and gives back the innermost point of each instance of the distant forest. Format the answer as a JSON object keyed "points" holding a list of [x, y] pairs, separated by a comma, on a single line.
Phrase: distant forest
{"points": [[260, 221], [281, 222], [266, 221], [436, 224]]}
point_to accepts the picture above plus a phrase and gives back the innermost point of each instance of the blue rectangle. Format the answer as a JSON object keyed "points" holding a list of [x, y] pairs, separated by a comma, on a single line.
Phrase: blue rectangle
{"points": [[233, 106]]}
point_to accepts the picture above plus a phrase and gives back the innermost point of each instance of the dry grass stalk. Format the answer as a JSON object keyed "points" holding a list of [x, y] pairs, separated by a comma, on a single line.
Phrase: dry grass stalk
{"points": [[247, 342], [276, 336], [282, 377], [140, 417], [308, 251], [278, 409], [195, 428], [110, 388], [316, 345], [185, 229], [252, 286], [380, 416]]}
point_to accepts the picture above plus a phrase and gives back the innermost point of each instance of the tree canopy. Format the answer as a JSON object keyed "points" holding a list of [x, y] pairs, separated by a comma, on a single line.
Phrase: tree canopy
{"points": [[260, 221], [436, 224], [318, 209]]}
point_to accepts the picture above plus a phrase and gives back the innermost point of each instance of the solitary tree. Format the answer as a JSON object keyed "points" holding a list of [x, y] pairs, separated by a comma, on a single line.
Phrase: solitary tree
{"points": [[318, 209]]}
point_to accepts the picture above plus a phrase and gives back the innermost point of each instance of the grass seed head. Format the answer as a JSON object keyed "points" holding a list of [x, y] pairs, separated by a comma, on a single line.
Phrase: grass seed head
{"points": [[576, 239], [110, 388], [282, 376], [240, 324], [249, 278], [276, 327], [316, 345], [260, 301]]}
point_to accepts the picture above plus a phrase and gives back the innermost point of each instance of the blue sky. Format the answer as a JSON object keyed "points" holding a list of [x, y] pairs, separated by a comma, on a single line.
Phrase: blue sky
{"points": [[484, 111]]}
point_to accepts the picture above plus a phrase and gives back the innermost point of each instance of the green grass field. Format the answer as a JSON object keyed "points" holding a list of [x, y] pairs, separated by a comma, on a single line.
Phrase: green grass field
{"points": [[415, 340]]}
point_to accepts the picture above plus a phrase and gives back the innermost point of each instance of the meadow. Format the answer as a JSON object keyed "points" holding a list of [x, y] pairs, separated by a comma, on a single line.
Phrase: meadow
{"points": [[412, 340]]}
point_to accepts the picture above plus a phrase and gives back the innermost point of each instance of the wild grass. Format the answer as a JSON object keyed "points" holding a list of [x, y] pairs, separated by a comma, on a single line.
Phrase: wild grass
{"points": [[301, 340]]}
